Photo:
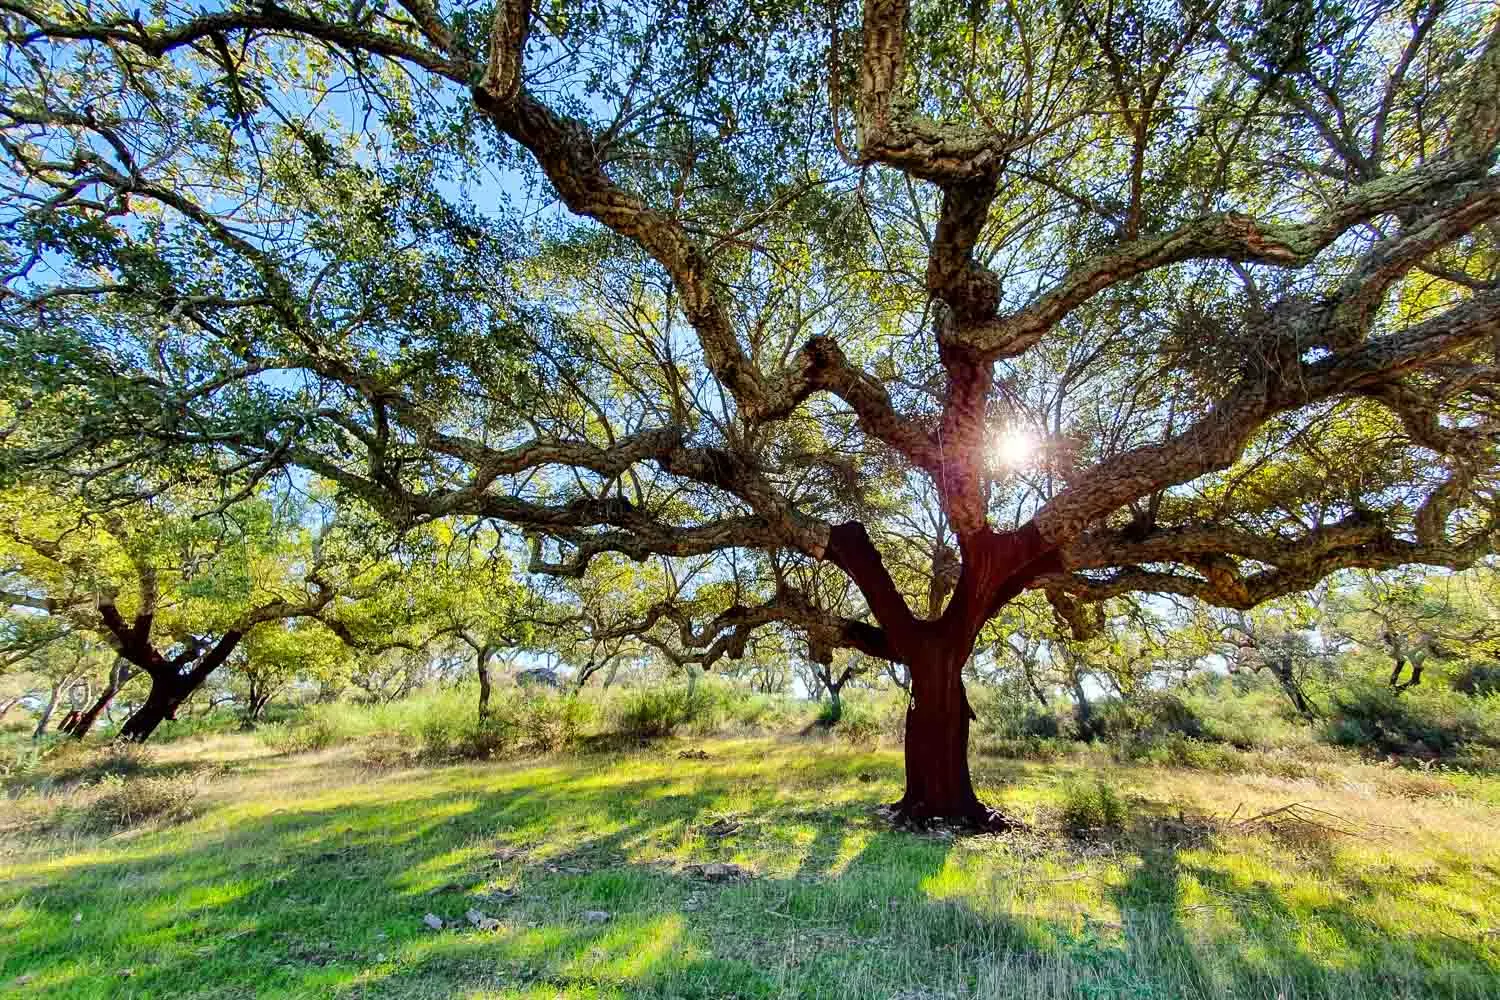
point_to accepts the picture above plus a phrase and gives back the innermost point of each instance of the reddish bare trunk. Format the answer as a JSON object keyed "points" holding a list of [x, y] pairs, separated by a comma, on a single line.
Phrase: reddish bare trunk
{"points": [[170, 688], [939, 785], [118, 676]]}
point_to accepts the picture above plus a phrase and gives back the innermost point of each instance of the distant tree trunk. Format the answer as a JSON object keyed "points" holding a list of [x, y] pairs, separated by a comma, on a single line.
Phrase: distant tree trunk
{"points": [[1395, 681], [1286, 677], [119, 674], [835, 706], [46, 716], [255, 706], [170, 688], [614, 668], [1081, 698], [1416, 658], [482, 665], [1036, 691]]}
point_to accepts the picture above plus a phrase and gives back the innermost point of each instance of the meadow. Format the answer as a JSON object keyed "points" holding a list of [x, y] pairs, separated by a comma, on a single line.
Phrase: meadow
{"points": [[220, 866]]}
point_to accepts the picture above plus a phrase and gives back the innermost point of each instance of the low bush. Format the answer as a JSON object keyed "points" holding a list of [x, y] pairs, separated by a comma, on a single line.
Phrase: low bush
{"points": [[1008, 714], [1477, 679], [1426, 721], [92, 764], [551, 723], [1091, 809], [656, 713], [315, 732], [1146, 717], [1046, 748], [126, 803]]}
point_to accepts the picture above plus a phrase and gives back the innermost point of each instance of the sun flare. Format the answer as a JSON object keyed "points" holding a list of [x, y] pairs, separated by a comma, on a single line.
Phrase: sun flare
{"points": [[1015, 448]]}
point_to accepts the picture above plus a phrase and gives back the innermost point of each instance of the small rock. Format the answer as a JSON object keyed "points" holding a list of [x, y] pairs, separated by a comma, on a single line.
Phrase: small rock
{"points": [[446, 887], [23, 980], [693, 755], [595, 917], [434, 921], [78, 918], [126, 973], [722, 828], [380, 957], [717, 871], [481, 920]]}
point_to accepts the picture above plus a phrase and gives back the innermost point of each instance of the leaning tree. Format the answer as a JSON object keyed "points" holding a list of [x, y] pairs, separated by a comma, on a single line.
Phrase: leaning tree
{"points": [[170, 594], [1186, 297]]}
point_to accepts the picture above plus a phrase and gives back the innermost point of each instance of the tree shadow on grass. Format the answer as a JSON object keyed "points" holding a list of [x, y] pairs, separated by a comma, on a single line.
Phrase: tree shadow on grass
{"points": [[313, 902]]}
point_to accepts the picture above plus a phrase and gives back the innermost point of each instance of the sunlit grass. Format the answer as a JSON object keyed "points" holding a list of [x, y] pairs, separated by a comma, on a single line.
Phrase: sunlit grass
{"points": [[309, 876]]}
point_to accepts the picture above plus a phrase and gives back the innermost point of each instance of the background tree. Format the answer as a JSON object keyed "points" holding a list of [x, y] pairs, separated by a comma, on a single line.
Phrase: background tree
{"points": [[276, 654], [1415, 618], [1185, 299], [168, 591]]}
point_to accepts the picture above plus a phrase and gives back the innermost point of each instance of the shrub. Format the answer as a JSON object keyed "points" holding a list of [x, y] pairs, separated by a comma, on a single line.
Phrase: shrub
{"points": [[316, 732], [1028, 748], [652, 714], [114, 760], [1147, 716], [860, 723], [545, 724], [1478, 679], [1005, 715], [1091, 808], [1429, 721], [129, 803]]}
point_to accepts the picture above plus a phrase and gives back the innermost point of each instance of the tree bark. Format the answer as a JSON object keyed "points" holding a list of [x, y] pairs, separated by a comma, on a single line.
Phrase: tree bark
{"points": [[1036, 690], [119, 675], [482, 664], [835, 705], [161, 702], [995, 567], [46, 717], [939, 785], [170, 688], [1286, 676]]}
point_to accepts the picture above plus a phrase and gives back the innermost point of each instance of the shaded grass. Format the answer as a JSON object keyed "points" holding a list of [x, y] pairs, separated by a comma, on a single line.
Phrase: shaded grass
{"points": [[309, 876]]}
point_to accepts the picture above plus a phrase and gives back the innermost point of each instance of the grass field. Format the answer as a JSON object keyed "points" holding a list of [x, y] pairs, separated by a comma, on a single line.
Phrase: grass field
{"points": [[310, 876]]}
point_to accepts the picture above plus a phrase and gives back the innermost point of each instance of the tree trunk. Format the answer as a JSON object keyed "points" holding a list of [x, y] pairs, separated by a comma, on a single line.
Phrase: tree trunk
{"points": [[835, 707], [161, 703], [1036, 690], [938, 783], [46, 717], [170, 688], [1084, 710], [119, 674], [483, 665], [1287, 678], [1395, 681]]}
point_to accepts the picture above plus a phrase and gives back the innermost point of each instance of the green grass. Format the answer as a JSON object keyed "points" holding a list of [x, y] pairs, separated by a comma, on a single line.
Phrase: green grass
{"points": [[309, 876]]}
